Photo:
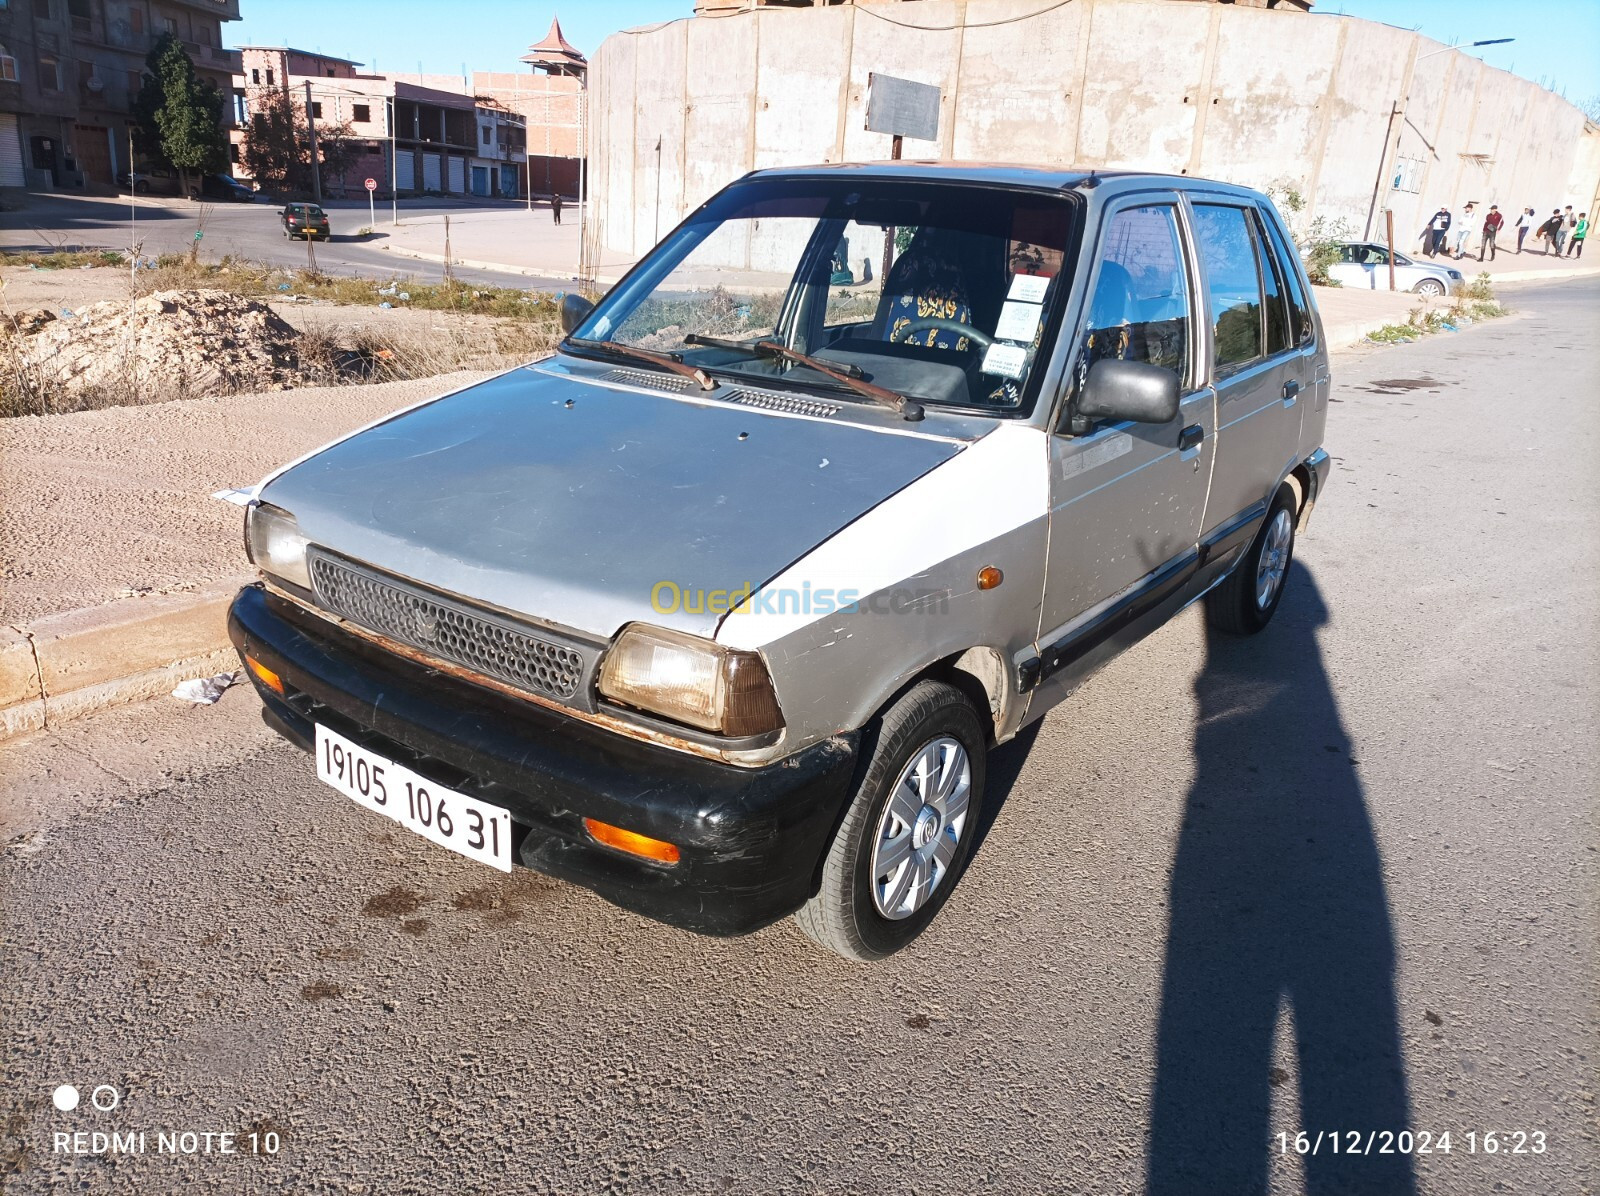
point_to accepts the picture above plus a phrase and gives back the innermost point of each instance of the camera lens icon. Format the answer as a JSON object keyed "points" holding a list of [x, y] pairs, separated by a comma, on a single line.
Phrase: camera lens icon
{"points": [[65, 1098]]}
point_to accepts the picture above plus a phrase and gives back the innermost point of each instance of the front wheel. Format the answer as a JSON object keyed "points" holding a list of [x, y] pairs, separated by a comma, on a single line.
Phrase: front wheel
{"points": [[908, 832], [1431, 287], [1245, 602]]}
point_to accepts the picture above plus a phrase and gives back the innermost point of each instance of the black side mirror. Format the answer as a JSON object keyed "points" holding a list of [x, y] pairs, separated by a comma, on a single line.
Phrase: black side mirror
{"points": [[1136, 390], [575, 310]]}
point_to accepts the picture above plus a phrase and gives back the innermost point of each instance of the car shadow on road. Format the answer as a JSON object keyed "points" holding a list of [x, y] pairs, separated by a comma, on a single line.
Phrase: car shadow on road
{"points": [[1277, 901]]}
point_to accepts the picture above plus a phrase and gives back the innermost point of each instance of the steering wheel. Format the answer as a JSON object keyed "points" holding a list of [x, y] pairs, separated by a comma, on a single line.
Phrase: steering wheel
{"points": [[955, 326]]}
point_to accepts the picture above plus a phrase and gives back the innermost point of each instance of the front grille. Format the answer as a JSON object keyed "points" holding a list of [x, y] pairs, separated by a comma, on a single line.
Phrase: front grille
{"points": [[746, 396], [475, 639]]}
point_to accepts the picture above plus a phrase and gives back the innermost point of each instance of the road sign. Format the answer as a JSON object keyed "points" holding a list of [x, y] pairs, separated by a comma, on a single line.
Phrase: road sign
{"points": [[372, 184], [902, 107]]}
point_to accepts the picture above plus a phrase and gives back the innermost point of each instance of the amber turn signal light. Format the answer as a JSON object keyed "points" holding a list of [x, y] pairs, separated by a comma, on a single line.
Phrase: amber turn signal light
{"points": [[265, 675], [989, 577], [630, 842]]}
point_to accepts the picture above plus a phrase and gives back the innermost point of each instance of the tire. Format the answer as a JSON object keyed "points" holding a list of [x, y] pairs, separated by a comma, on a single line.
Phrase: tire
{"points": [[141, 188], [1245, 602], [1430, 287], [933, 722]]}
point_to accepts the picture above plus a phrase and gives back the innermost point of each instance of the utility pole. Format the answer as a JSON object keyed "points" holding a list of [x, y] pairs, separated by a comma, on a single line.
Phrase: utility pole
{"points": [[316, 165]]}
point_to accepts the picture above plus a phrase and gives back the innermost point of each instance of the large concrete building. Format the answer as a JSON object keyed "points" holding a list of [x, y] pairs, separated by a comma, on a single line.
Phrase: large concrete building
{"points": [[1356, 116], [69, 73]]}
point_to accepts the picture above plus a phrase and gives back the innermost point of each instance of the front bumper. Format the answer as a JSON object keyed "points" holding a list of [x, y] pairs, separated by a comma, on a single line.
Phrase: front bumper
{"points": [[751, 839]]}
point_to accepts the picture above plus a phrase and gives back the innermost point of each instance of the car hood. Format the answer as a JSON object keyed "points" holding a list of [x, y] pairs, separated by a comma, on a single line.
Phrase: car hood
{"points": [[568, 500]]}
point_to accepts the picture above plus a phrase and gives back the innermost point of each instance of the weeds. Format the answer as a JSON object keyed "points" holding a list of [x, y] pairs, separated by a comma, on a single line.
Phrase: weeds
{"points": [[1475, 301], [61, 259]]}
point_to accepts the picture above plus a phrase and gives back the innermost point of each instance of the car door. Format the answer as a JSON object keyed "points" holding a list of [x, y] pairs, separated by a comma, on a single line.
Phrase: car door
{"points": [[1127, 498], [1352, 270], [1256, 368]]}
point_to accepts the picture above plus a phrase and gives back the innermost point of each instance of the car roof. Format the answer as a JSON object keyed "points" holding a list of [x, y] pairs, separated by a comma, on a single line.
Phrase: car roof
{"points": [[1007, 174]]}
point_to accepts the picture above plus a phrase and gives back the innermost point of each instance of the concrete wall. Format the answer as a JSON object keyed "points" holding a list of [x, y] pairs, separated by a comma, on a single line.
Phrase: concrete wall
{"points": [[1328, 105]]}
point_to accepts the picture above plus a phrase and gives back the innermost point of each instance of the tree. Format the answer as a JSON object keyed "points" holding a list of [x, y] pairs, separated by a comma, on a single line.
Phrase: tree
{"points": [[179, 114], [277, 143]]}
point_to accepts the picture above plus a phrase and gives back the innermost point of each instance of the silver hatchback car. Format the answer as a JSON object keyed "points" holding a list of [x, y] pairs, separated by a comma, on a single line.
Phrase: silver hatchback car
{"points": [[719, 609]]}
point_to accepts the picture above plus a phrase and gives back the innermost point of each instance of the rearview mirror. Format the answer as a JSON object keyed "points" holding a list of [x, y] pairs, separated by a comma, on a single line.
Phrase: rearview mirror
{"points": [[1136, 390], [575, 310]]}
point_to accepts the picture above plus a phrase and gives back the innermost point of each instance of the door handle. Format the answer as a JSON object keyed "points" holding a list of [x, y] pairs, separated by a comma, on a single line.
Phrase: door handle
{"points": [[1291, 393], [1190, 437]]}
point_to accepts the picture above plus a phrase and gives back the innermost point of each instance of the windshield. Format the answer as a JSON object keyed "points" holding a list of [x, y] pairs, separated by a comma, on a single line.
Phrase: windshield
{"points": [[946, 293]]}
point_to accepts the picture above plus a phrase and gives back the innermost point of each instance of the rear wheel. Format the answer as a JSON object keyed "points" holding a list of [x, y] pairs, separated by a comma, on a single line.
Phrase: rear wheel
{"points": [[908, 833], [1246, 601], [1430, 287]]}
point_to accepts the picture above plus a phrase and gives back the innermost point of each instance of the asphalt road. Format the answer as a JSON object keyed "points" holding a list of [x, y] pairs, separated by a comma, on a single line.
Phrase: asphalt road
{"points": [[1341, 876], [254, 231]]}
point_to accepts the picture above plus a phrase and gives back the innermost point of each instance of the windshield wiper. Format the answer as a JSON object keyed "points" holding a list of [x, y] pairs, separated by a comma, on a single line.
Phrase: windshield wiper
{"points": [[760, 349], [671, 361], [892, 399]]}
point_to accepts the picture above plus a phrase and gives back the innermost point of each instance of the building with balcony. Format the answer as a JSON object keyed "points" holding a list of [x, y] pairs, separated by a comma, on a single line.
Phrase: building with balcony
{"points": [[412, 139], [70, 71]]}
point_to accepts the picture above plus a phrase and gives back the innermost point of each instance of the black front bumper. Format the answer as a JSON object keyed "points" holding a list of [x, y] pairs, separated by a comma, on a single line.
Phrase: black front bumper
{"points": [[751, 839]]}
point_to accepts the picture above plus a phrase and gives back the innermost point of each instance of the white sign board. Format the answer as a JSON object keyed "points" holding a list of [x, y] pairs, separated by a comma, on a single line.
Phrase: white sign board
{"points": [[902, 108]]}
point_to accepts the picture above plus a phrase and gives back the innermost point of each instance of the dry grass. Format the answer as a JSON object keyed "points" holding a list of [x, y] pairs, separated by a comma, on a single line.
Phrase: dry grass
{"points": [[62, 259], [507, 327]]}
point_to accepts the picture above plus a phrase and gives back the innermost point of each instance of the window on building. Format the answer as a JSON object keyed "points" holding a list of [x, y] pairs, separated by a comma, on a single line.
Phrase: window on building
{"points": [[49, 72], [41, 9], [80, 15], [255, 74], [316, 109], [486, 134], [170, 24], [135, 83], [203, 32], [233, 153], [269, 76], [136, 20], [331, 72], [361, 113], [8, 66]]}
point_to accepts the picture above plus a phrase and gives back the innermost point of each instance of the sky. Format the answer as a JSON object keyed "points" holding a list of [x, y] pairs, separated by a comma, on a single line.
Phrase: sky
{"points": [[1557, 41]]}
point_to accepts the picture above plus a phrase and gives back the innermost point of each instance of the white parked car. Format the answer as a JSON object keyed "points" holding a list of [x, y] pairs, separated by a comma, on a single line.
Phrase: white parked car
{"points": [[1364, 265]]}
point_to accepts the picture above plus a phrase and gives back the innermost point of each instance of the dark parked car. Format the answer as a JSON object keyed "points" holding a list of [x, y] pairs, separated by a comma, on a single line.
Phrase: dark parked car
{"points": [[305, 220], [226, 187]]}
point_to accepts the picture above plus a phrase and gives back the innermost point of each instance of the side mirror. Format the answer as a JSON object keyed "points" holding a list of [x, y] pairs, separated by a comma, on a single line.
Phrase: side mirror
{"points": [[1136, 390], [575, 310]]}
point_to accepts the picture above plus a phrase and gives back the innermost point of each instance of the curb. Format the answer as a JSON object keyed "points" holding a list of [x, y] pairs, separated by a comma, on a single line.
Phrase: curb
{"points": [[495, 267], [64, 666]]}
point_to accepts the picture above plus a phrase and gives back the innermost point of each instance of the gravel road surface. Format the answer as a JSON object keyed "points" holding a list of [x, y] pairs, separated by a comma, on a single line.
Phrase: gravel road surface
{"points": [[1339, 877]]}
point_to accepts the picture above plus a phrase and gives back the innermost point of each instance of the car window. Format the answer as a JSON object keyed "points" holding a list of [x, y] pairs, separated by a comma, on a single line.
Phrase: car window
{"points": [[1279, 339], [1140, 307], [1226, 243], [1284, 254]]}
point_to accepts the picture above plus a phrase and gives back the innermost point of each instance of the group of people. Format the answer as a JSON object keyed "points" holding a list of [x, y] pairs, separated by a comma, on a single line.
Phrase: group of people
{"points": [[1563, 232]]}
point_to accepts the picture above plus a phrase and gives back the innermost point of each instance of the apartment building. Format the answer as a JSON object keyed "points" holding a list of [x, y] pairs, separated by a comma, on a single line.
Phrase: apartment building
{"points": [[69, 73], [411, 138]]}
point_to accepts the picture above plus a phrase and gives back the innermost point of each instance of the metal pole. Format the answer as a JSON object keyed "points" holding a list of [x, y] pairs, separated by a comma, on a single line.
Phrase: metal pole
{"points": [[889, 232], [394, 169], [372, 209], [1388, 222], [316, 167], [583, 158]]}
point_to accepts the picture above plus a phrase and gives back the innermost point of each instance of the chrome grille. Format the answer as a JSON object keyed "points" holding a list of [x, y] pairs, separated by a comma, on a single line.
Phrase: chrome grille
{"points": [[474, 639], [746, 396]]}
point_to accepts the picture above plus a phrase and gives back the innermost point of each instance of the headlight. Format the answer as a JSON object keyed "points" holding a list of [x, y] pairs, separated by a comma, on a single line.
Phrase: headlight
{"points": [[273, 539], [690, 680]]}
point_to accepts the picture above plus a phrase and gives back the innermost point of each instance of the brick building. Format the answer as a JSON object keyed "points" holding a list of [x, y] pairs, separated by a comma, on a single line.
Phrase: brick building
{"points": [[70, 71]]}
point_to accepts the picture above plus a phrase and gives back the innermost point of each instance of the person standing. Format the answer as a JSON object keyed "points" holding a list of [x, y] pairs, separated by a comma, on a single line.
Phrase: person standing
{"points": [[1524, 223], [1578, 234], [1433, 236], [555, 205], [1491, 229], [1548, 230], [1464, 230]]}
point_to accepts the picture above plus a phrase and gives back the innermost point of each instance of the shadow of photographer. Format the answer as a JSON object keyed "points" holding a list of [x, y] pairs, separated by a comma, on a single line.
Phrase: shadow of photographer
{"points": [[1277, 901]]}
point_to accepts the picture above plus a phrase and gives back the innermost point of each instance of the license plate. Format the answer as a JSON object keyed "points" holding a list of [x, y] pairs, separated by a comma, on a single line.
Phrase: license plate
{"points": [[465, 825]]}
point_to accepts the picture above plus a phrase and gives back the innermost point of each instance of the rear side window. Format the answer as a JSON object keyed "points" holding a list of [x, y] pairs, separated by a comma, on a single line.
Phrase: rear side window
{"points": [[1233, 284], [1275, 309], [1299, 309], [1140, 308]]}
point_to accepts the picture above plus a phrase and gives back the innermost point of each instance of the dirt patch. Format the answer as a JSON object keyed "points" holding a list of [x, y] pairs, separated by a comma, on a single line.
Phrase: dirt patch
{"points": [[172, 344], [321, 990], [396, 903]]}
